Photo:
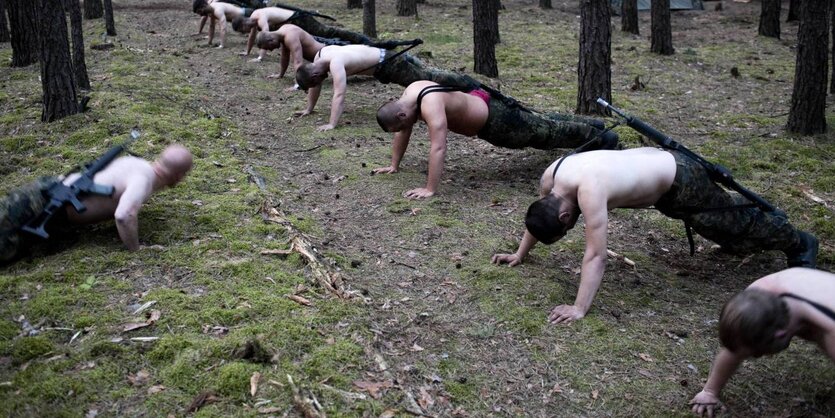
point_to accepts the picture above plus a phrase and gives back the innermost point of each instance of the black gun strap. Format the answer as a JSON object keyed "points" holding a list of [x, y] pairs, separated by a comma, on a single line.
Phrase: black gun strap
{"points": [[435, 88], [413, 44]]}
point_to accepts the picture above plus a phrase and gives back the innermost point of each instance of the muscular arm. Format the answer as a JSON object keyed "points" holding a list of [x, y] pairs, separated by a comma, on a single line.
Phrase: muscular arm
{"points": [[312, 98], [211, 29], [284, 61], [340, 84], [398, 148], [434, 113], [264, 25], [251, 40], [202, 24], [593, 202], [127, 213], [723, 368], [221, 20]]}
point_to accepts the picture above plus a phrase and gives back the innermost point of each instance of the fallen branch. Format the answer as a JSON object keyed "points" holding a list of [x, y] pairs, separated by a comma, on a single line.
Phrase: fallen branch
{"points": [[620, 257]]}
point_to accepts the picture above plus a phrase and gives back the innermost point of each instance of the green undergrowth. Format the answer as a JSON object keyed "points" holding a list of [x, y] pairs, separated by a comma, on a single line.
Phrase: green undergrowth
{"points": [[203, 269]]}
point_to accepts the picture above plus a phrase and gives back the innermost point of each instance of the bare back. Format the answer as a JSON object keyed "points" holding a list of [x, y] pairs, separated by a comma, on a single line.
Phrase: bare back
{"points": [[629, 179], [123, 173], [295, 38], [356, 59], [812, 285], [230, 11], [273, 15], [465, 113]]}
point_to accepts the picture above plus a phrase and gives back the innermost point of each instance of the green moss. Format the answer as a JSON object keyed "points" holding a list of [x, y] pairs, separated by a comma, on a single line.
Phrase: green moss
{"points": [[233, 379], [27, 348], [8, 330], [168, 347]]}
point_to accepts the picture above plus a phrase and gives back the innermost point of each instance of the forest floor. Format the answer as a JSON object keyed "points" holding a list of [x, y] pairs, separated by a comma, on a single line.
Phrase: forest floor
{"points": [[430, 327]]}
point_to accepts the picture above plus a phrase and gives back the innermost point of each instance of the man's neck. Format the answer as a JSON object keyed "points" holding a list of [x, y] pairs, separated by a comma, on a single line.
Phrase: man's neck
{"points": [[159, 176]]}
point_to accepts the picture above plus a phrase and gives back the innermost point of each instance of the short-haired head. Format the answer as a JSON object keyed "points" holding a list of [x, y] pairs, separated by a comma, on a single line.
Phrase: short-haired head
{"points": [[243, 24], [394, 115], [310, 75], [201, 7], [174, 162], [549, 219], [268, 40], [754, 320]]}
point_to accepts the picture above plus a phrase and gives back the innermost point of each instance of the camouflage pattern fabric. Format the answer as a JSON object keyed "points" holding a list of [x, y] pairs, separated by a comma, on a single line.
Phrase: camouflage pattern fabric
{"points": [[250, 4], [741, 230], [405, 69], [511, 126], [312, 26], [16, 209]]}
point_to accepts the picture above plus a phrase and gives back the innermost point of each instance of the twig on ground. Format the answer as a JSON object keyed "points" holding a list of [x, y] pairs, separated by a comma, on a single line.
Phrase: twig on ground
{"points": [[620, 257]]}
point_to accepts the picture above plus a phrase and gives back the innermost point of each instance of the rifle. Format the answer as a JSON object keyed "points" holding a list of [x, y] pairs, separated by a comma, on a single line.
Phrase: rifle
{"points": [[717, 173], [60, 194]]}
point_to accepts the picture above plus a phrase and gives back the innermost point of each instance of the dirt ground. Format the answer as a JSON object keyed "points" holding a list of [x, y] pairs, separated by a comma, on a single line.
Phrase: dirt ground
{"points": [[464, 337]]}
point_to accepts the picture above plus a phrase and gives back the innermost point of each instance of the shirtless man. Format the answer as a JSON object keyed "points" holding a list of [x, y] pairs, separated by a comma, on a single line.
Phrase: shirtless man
{"points": [[474, 113], [133, 180], [762, 320], [594, 182], [340, 62], [219, 12], [263, 20], [295, 44]]}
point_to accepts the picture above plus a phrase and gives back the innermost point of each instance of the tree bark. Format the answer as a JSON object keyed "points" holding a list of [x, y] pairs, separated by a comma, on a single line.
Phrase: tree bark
{"points": [[770, 19], [5, 36], [369, 18], [59, 95], [78, 62], [93, 9], [594, 71], [662, 31], [354, 4], [832, 79], [545, 4], [406, 8], [629, 17], [23, 22], [485, 21], [807, 113], [495, 22], [794, 6], [109, 23]]}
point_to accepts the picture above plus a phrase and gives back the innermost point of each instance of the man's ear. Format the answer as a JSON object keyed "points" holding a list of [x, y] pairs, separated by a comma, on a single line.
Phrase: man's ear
{"points": [[565, 217], [402, 115]]}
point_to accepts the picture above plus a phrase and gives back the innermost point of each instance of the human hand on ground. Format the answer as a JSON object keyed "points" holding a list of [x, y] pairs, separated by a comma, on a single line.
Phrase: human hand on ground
{"points": [[325, 127], [256, 59], [509, 259], [565, 314], [301, 113], [705, 403], [220, 46], [419, 193], [384, 170], [243, 54]]}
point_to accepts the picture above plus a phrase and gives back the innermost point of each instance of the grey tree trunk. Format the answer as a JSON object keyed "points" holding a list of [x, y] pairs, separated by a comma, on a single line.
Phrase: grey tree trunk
{"points": [[406, 8], [93, 9], [770, 19], [78, 62], [832, 79], [794, 10], [545, 4], [109, 23], [354, 4], [594, 71], [24, 28], [369, 18], [629, 17], [5, 36], [662, 31], [59, 94], [808, 107], [485, 21]]}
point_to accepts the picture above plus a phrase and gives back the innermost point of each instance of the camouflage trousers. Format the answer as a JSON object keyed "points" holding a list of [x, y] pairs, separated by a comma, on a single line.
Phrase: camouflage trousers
{"points": [[740, 230], [510, 126], [405, 69], [16, 209], [312, 26], [248, 4]]}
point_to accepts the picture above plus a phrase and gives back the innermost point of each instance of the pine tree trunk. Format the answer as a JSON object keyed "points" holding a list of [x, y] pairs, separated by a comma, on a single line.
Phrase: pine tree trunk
{"points": [[770, 19], [832, 79], [406, 8], [23, 22], [594, 71], [109, 23], [485, 21], [794, 6], [807, 114], [662, 31], [369, 18], [629, 17], [5, 36], [93, 9], [78, 62], [545, 4], [354, 4], [59, 95], [495, 22]]}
